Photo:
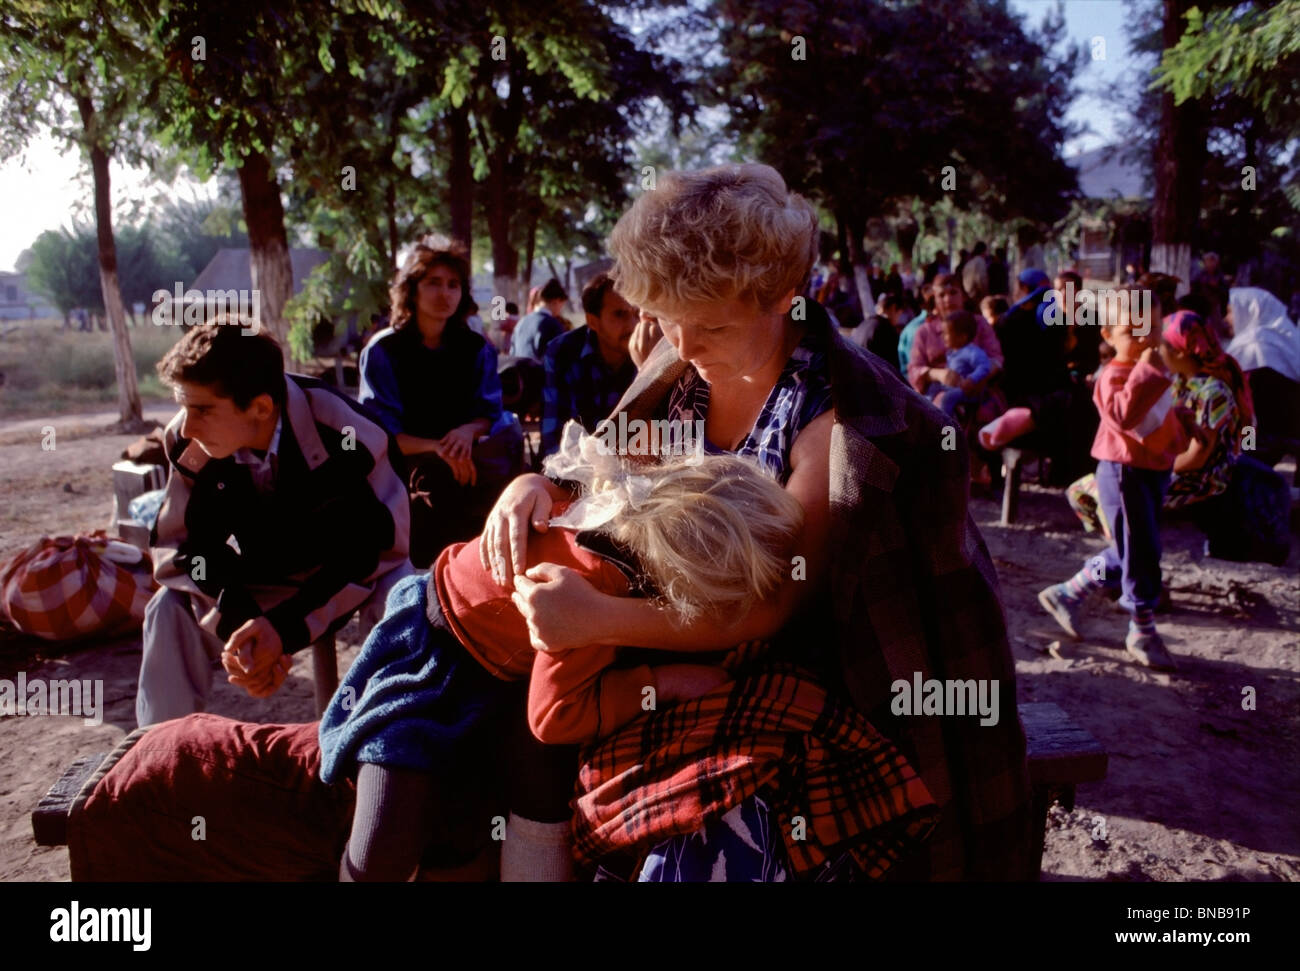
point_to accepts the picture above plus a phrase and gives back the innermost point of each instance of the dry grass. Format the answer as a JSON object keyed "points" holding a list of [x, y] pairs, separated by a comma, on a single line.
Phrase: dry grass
{"points": [[49, 371]]}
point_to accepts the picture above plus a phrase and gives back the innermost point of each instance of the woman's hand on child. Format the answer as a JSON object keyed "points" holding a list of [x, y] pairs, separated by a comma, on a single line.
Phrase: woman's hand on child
{"points": [[503, 547], [686, 682], [560, 606]]}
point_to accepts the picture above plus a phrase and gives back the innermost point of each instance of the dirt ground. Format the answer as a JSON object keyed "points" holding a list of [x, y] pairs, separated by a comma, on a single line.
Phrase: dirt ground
{"points": [[1198, 788]]}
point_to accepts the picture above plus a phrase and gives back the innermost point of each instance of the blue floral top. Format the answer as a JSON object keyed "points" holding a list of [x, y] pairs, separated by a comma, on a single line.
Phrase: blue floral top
{"points": [[801, 393]]}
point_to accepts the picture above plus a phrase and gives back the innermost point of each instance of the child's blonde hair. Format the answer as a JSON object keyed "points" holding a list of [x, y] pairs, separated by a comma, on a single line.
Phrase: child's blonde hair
{"points": [[714, 534], [729, 232]]}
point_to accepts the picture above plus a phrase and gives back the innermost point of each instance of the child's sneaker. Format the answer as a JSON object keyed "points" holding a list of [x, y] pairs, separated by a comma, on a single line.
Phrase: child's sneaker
{"points": [[1150, 650], [1063, 610]]}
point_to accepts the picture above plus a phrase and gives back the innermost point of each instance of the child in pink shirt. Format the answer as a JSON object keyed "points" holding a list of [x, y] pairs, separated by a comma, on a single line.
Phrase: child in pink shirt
{"points": [[1141, 434]]}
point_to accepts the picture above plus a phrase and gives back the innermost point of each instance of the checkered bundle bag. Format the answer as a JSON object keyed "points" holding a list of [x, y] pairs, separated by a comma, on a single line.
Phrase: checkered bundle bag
{"points": [[68, 587]]}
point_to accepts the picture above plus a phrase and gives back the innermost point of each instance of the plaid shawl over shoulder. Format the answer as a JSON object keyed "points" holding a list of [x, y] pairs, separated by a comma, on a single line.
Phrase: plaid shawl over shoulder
{"points": [[913, 590], [852, 788]]}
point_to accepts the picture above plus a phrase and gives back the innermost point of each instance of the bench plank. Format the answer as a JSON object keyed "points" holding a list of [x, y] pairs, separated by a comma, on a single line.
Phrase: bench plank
{"points": [[50, 817], [1060, 751]]}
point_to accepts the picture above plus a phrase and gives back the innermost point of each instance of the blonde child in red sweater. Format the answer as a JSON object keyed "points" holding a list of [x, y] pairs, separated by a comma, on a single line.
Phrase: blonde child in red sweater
{"points": [[1141, 434], [701, 534]]}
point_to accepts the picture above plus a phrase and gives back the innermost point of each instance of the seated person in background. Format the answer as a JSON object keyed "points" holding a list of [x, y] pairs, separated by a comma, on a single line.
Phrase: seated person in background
{"points": [[879, 333], [917, 317], [966, 360], [1266, 343], [588, 369], [927, 364], [282, 516], [992, 308], [1210, 385], [501, 332], [432, 383], [543, 325]]}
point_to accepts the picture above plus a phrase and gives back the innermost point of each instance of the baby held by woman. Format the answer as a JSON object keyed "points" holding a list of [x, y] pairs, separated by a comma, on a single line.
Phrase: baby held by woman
{"points": [[702, 535]]}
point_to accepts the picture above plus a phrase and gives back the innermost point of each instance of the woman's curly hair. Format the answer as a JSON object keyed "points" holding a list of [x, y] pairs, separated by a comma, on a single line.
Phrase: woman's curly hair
{"points": [[428, 252]]}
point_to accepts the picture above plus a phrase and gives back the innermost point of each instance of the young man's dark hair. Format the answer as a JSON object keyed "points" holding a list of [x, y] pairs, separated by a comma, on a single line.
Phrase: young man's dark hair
{"points": [[593, 294], [512, 308], [553, 290], [222, 356]]}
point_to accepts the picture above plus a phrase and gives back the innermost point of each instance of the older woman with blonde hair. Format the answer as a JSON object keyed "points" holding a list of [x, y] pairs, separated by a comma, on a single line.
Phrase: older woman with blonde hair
{"points": [[890, 579]]}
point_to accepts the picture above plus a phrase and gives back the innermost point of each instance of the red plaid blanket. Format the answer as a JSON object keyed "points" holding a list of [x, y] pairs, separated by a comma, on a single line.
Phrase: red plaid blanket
{"points": [[839, 785]]}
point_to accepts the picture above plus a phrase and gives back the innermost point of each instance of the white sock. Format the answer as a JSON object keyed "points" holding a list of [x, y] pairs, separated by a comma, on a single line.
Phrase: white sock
{"points": [[536, 852]]}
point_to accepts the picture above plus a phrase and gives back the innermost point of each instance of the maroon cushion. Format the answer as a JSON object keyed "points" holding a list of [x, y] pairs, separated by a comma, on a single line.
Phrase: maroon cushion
{"points": [[209, 798]]}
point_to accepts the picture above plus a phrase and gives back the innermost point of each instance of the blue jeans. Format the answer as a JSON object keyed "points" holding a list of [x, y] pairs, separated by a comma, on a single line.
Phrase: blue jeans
{"points": [[1130, 499]]}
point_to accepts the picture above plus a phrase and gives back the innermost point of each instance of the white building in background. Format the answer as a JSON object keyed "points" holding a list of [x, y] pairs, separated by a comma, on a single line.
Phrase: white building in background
{"points": [[17, 302]]}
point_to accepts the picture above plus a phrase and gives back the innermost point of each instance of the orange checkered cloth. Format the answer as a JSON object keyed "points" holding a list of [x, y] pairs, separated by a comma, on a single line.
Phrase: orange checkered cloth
{"points": [[67, 587], [836, 784]]}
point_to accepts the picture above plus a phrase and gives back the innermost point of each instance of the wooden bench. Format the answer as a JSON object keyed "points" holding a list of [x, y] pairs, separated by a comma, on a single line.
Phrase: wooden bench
{"points": [[1061, 755]]}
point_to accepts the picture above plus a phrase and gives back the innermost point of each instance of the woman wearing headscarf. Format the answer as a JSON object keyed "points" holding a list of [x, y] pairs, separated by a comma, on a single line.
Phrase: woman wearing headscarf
{"points": [[1267, 346], [1210, 385]]}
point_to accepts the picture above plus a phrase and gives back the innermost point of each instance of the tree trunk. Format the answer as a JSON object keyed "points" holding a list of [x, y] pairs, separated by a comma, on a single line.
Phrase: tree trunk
{"points": [[503, 177], [505, 258], [460, 181], [267, 241], [530, 247], [858, 260], [390, 206], [128, 390], [1179, 164], [905, 233]]}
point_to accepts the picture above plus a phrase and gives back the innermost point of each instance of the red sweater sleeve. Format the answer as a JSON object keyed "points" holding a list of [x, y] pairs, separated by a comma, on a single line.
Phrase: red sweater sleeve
{"points": [[1126, 399], [572, 697]]}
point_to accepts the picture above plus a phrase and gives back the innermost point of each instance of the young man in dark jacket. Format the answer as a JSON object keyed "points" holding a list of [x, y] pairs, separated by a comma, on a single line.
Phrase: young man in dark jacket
{"points": [[283, 515]]}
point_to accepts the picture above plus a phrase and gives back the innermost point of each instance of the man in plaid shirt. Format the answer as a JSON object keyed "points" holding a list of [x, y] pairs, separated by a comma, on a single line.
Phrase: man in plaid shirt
{"points": [[588, 369]]}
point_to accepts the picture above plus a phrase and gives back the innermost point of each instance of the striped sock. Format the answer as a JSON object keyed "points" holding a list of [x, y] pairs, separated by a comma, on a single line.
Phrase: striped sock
{"points": [[1143, 622], [1079, 586]]}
